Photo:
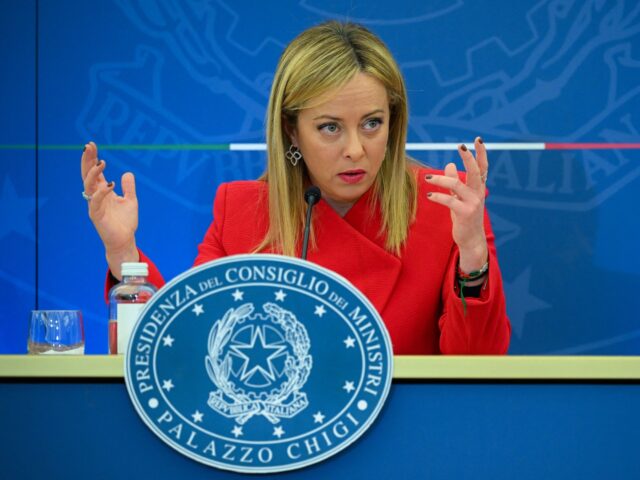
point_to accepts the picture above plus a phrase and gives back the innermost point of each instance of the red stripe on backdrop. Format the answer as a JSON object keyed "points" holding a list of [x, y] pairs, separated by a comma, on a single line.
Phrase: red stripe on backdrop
{"points": [[591, 146]]}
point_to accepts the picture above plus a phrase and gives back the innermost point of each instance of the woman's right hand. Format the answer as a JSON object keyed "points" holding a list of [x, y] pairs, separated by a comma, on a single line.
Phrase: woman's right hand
{"points": [[114, 217]]}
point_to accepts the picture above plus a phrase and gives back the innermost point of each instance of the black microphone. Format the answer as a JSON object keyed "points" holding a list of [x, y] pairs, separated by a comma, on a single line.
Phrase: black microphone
{"points": [[311, 196]]}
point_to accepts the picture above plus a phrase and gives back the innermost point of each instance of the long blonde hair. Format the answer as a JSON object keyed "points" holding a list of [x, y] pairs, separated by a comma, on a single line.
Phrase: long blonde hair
{"points": [[321, 59]]}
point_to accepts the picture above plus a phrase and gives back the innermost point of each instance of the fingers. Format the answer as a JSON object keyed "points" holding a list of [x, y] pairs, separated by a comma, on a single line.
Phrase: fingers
{"points": [[129, 186], [465, 199], [462, 199], [462, 196], [94, 177], [471, 166], [451, 181], [481, 157], [450, 201], [97, 198], [91, 169], [89, 158], [451, 171]]}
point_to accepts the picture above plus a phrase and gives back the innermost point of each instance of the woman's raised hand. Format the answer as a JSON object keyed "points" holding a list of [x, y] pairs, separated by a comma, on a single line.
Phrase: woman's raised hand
{"points": [[466, 204], [115, 217]]}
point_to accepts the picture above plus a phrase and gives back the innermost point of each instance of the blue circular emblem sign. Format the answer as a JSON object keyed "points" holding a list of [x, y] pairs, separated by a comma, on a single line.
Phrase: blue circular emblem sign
{"points": [[259, 363]]}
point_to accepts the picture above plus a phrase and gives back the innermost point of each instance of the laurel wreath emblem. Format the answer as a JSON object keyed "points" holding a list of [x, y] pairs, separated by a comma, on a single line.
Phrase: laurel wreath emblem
{"points": [[233, 401]]}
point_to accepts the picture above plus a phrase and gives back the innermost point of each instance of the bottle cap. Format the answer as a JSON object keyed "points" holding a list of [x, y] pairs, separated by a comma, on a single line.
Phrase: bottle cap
{"points": [[135, 269]]}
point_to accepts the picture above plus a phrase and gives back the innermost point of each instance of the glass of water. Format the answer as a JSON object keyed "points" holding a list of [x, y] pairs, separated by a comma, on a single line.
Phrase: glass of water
{"points": [[56, 332]]}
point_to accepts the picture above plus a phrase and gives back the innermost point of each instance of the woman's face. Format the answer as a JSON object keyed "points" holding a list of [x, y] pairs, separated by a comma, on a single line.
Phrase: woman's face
{"points": [[343, 140]]}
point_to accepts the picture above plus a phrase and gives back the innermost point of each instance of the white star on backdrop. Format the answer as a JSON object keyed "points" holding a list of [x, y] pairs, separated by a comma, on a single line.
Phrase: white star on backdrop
{"points": [[237, 295], [521, 301], [278, 431], [320, 311], [237, 431], [349, 342], [348, 386], [318, 417], [168, 340], [16, 211], [280, 295], [197, 309], [197, 416], [167, 385]]}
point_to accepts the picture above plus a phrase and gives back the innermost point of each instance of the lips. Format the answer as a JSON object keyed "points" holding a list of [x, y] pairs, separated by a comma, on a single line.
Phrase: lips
{"points": [[352, 176]]}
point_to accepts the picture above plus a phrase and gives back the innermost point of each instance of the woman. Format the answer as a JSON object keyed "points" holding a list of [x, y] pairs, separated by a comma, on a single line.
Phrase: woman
{"points": [[416, 242]]}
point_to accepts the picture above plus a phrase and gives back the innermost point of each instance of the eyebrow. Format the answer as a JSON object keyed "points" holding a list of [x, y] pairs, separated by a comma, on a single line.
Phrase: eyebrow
{"points": [[331, 117]]}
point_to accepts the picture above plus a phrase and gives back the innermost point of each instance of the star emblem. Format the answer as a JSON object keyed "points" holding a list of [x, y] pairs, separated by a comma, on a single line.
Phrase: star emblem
{"points": [[167, 341], [197, 416], [521, 301], [348, 386], [278, 431], [258, 369], [16, 211], [167, 385], [237, 431], [503, 229], [318, 417], [320, 311], [197, 309], [280, 295], [349, 342], [237, 295]]}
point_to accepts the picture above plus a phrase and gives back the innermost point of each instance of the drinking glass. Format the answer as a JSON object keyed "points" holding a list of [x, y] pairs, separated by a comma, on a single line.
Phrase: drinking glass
{"points": [[56, 332]]}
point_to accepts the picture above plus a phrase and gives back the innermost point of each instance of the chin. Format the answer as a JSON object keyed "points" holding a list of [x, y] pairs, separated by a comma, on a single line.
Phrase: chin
{"points": [[347, 193]]}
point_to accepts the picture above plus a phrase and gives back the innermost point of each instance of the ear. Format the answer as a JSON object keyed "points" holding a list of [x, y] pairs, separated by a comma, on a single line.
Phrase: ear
{"points": [[291, 131]]}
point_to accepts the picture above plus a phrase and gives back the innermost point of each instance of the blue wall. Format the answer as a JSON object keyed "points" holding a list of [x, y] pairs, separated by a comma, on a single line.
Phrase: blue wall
{"points": [[174, 72]]}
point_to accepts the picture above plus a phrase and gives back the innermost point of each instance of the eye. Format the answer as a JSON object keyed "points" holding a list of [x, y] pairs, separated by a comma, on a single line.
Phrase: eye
{"points": [[372, 123], [328, 128]]}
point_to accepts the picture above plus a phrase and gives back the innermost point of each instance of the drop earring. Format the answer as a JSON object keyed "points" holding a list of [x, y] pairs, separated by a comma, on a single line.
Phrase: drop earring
{"points": [[293, 155]]}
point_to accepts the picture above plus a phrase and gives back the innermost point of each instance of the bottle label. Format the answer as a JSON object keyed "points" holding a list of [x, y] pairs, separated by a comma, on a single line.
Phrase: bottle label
{"points": [[127, 314]]}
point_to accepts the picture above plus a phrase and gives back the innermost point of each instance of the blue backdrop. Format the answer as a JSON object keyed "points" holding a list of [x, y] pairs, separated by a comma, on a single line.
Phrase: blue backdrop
{"points": [[145, 73]]}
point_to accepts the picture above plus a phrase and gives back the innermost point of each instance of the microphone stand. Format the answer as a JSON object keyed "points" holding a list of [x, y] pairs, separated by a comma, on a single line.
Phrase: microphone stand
{"points": [[311, 196]]}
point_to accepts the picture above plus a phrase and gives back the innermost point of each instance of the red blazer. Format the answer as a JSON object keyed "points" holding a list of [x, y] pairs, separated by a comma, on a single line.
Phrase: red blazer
{"points": [[416, 293]]}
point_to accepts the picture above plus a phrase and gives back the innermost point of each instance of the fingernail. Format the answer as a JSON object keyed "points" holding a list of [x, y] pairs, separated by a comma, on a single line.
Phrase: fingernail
{"points": [[463, 147], [428, 177], [480, 140], [429, 194], [99, 162]]}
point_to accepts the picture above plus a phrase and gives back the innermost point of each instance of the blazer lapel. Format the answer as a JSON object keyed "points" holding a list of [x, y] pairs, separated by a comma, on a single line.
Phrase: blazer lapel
{"points": [[353, 247]]}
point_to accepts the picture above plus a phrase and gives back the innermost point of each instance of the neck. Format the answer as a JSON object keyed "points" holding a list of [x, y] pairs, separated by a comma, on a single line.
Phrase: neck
{"points": [[341, 208]]}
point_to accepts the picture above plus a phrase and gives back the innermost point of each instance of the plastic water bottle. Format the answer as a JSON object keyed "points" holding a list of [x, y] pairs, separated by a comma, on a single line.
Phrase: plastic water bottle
{"points": [[126, 301]]}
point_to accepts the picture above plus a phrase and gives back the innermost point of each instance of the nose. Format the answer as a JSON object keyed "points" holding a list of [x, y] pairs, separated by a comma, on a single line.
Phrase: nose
{"points": [[353, 149]]}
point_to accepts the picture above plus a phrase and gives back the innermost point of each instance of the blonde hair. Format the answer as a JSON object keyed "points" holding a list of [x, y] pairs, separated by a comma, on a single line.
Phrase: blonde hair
{"points": [[321, 59]]}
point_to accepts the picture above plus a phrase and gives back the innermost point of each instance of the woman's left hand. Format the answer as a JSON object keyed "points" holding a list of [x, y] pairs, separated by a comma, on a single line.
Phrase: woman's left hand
{"points": [[466, 204]]}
